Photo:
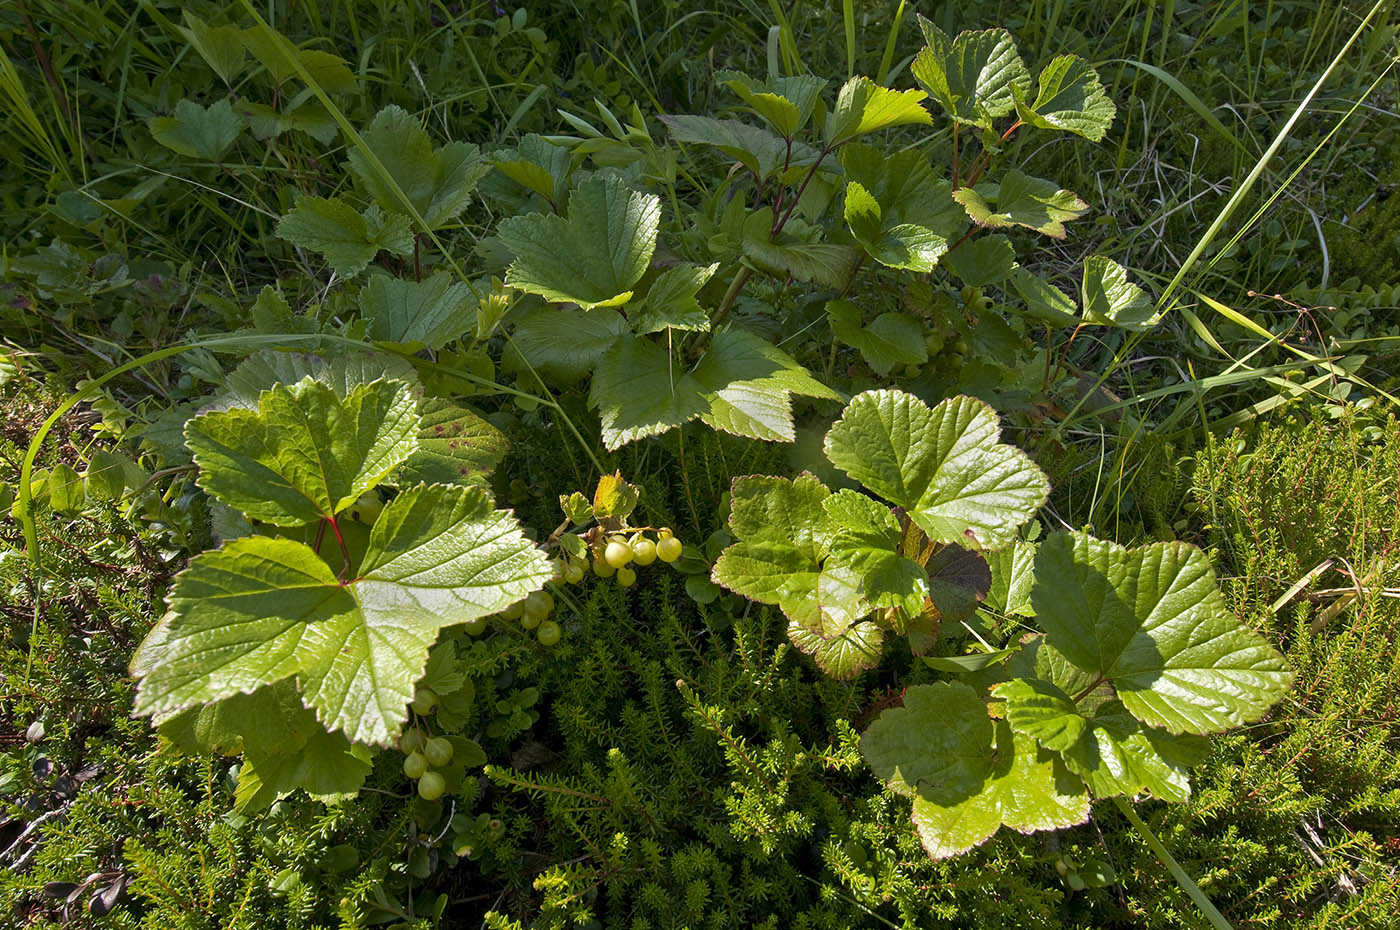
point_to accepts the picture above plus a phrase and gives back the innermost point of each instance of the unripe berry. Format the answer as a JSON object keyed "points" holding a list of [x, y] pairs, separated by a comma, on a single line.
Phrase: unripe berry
{"points": [[438, 751], [415, 764], [549, 633], [424, 700], [626, 577], [669, 549], [617, 553], [431, 786], [644, 551]]}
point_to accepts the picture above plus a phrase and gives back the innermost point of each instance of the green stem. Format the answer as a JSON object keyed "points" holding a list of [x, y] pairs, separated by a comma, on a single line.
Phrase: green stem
{"points": [[731, 295], [779, 224], [1193, 891]]}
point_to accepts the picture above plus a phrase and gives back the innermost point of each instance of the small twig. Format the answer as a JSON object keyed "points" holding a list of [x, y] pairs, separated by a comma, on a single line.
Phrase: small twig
{"points": [[731, 295], [29, 828], [985, 160], [778, 226]]}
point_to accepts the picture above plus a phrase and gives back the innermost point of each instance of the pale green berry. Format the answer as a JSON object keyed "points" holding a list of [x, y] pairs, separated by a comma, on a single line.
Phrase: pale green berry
{"points": [[549, 633], [424, 700], [438, 751], [644, 551], [431, 786], [415, 764], [617, 553], [669, 549]]}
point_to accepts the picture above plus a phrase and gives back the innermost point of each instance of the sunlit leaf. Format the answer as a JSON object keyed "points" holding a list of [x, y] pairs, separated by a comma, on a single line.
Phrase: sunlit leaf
{"points": [[945, 465], [784, 102], [1029, 789], [1151, 622], [974, 77], [455, 446], [304, 454], [1110, 299], [1021, 200], [1070, 98], [845, 655], [938, 745], [593, 257], [260, 610], [862, 107]]}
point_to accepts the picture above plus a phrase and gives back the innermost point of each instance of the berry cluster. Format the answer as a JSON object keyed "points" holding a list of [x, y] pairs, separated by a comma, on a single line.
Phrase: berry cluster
{"points": [[533, 614], [423, 754], [619, 553]]}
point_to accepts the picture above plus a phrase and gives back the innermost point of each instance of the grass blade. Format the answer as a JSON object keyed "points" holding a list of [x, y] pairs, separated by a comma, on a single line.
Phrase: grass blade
{"points": [[1190, 99], [1248, 184]]}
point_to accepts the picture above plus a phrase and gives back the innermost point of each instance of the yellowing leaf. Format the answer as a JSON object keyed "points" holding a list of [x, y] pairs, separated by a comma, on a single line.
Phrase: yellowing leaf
{"points": [[862, 107]]}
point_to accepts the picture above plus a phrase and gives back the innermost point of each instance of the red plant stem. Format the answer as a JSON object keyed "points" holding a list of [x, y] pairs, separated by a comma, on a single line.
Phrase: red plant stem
{"points": [[985, 160], [340, 541]]}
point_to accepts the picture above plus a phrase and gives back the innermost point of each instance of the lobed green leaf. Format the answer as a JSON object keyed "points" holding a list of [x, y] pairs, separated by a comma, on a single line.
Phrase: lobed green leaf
{"points": [[945, 465]]}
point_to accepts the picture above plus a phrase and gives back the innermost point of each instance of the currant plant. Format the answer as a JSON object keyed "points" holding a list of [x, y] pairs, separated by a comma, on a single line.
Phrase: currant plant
{"points": [[600, 536], [1136, 657], [807, 200], [305, 643]]}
